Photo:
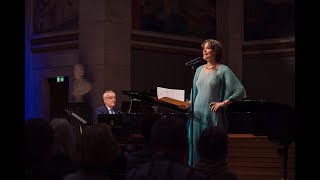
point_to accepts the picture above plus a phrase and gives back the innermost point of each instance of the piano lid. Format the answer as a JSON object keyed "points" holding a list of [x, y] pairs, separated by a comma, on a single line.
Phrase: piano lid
{"points": [[151, 98]]}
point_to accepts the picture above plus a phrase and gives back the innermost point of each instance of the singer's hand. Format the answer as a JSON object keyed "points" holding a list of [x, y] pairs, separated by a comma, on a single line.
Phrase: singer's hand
{"points": [[216, 105]]}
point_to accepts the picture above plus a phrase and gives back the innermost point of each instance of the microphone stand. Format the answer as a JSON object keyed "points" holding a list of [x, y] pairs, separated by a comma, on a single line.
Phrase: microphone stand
{"points": [[192, 112]]}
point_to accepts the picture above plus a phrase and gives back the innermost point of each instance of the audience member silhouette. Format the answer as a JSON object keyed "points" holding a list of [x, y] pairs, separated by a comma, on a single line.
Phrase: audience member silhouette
{"points": [[38, 141], [169, 145], [213, 147], [98, 149], [64, 148]]}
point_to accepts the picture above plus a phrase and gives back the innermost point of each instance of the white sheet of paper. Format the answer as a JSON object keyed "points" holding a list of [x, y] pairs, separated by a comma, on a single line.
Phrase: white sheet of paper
{"points": [[177, 94]]}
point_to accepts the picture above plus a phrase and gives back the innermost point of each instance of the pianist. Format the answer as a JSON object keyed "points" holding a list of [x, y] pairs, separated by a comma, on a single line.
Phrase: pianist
{"points": [[109, 100]]}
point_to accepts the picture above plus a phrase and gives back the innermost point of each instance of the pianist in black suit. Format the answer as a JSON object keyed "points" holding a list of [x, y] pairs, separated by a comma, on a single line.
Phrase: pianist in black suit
{"points": [[109, 100]]}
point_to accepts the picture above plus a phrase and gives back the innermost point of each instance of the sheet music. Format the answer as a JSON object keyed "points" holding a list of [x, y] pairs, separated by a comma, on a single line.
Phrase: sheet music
{"points": [[177, 94]]}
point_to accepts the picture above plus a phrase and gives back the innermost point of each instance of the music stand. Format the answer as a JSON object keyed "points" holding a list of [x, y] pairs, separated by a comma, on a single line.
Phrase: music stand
{"points": [[82, 121]]}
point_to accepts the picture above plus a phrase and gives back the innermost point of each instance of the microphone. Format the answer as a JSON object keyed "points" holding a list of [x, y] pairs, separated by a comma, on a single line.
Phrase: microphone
{"points": [[193, 61]]}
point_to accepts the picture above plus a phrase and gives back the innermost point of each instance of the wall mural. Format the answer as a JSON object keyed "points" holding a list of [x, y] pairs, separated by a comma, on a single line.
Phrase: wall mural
{"points": [[180, 17], [55, 15], [268, 19]]}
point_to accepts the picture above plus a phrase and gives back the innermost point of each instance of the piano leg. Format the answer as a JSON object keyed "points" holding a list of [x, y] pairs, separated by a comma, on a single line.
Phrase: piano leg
{"points": [[283, 152]]}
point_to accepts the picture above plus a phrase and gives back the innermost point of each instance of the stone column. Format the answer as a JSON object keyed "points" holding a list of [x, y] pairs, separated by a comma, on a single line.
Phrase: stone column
{"points": [[105, 46], [230, 32]]}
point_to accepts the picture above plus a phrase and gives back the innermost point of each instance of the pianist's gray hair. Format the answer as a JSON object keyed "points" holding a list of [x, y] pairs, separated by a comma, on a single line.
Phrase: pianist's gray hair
{"points": [[106, 92]]}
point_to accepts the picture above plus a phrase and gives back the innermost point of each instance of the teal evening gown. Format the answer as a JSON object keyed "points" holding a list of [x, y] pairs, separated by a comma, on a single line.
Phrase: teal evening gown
{"points": [[215, 86]]}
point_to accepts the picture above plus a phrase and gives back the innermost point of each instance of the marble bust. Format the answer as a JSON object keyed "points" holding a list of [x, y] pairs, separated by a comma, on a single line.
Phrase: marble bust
{"points": [[80, 86]]}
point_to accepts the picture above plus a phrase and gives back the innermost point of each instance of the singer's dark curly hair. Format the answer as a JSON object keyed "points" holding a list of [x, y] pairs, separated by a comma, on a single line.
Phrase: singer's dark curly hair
{"points": [[217, 48]]}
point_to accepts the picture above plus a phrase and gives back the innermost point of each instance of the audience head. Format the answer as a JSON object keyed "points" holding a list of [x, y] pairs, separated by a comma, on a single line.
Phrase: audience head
{"points": [[213, 144], [98, 148], [109, 98], [38, 140], [169, 135], [64, 137]]}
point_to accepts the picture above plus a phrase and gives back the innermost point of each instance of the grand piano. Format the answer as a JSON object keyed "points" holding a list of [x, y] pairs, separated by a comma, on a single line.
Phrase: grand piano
{"points": [[257, 117], [144, 109]]}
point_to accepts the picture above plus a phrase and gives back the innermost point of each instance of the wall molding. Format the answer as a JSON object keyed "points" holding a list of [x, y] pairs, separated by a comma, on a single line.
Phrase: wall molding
{"points": [[282, 47], [167, 43], [54, 41]]}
